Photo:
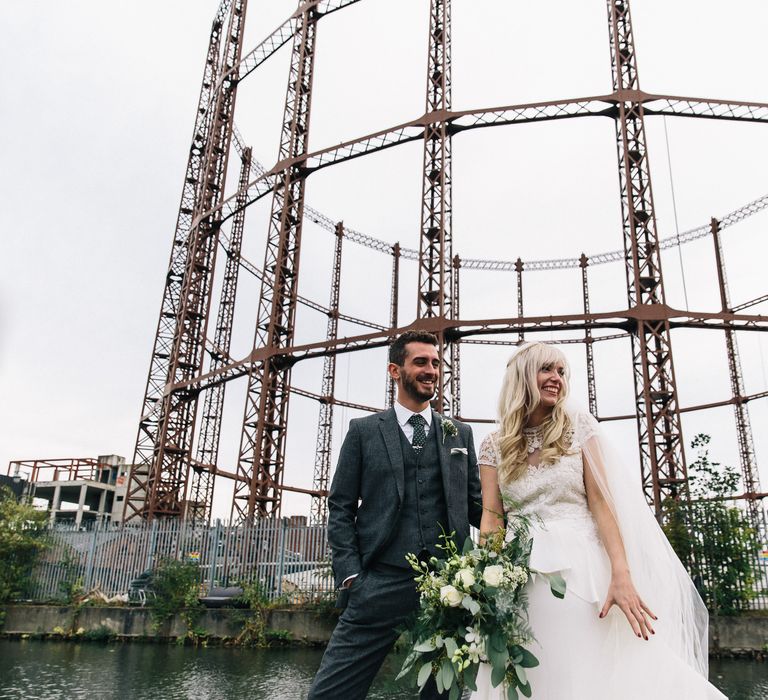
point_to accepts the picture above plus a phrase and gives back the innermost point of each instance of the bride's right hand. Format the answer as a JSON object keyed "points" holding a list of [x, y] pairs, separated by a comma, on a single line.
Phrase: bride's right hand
{"points": [[623, 594]]}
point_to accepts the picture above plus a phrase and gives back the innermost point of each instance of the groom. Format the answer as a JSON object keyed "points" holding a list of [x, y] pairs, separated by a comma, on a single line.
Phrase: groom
{"points": [[403, 477]]}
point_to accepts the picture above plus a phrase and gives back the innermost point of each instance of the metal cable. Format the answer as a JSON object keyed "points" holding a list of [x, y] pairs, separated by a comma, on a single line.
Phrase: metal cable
{"points": [[674, 210]]}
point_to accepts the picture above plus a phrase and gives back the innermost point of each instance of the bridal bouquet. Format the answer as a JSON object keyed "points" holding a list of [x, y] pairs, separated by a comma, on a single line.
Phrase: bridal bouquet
{"points": [[473, 610]]}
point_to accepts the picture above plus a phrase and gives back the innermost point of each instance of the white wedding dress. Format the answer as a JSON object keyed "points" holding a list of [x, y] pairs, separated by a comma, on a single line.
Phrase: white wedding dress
{"points": [[581, 656]]}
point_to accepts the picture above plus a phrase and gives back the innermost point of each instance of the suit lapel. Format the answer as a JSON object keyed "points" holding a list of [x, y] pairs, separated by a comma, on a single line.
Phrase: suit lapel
{"points": [[443, 455], [390, 431]]}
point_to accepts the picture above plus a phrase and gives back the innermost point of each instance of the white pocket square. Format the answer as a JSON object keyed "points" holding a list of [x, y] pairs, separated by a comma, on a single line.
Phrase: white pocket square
{"points": [[458, 450]]}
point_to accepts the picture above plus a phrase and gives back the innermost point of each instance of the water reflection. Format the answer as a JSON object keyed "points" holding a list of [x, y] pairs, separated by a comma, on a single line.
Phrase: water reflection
{"points": [[47, 670]]}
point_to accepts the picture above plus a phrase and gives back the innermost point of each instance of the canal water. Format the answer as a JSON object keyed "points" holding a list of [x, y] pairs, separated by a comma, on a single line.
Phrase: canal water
{"points": [[35, 670]]}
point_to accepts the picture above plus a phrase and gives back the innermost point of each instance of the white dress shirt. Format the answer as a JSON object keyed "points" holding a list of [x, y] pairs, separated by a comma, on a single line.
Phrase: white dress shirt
{"points": [[403, 414]]}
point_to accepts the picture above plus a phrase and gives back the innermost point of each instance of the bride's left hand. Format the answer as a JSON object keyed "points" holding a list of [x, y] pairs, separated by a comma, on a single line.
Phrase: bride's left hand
{"points": [[622, 593]]}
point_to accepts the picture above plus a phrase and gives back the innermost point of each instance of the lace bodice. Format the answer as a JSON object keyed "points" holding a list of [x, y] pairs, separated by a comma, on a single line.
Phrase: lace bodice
{"points": [[547, 491]]}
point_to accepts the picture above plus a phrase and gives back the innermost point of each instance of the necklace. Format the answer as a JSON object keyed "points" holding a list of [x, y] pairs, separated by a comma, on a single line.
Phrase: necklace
{"points": [[533, 437]]}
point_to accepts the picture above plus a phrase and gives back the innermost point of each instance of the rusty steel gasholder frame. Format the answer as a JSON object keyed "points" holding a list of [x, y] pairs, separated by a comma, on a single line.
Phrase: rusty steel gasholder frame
{"points": [[167, 481]]}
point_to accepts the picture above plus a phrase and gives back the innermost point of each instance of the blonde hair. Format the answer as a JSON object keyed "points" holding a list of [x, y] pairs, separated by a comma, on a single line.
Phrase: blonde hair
{"points": [[518, 399]]}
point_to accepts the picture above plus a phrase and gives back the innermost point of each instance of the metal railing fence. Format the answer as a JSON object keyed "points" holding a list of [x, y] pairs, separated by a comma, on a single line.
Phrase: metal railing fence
{"points": [[288, 561], [291, 561]]}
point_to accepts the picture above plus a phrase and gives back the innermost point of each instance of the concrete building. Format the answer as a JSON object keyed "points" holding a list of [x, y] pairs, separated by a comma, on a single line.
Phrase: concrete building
{"points": [[77, 491]]}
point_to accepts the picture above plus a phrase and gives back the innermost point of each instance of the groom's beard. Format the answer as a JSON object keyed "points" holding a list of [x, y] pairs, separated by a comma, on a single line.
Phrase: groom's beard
{"points": [[413, 390]]}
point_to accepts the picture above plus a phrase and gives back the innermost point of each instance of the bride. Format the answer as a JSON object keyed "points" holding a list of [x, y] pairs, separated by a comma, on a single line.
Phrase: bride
{"points": [[631, 625]]}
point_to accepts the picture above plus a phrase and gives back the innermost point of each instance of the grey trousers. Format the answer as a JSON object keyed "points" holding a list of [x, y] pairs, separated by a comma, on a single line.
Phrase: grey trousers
{"points": [[380, 599]]}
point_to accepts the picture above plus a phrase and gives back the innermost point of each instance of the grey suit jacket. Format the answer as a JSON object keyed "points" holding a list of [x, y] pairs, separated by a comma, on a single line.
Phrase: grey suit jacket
{"points": [[367, 490]]}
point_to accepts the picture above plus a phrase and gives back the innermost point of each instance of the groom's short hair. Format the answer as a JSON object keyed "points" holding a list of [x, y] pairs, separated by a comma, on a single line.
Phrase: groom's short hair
{"points": [[397, 351]]}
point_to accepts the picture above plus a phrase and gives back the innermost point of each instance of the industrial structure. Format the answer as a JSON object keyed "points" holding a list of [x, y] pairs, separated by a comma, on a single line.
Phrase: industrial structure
{"points": [[78, 491], [176, 465]]}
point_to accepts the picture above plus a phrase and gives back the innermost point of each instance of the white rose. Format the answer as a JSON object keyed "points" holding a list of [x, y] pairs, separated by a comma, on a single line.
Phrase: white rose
{"points": [[450, 596], [493, 575], [465, 577]]}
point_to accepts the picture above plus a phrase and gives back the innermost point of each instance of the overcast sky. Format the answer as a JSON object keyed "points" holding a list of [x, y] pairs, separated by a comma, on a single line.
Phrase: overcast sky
{"points": [[97, 109]]}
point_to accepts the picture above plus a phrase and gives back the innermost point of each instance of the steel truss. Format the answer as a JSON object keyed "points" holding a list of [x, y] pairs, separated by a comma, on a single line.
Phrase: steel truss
{"points": [[662, 450], [320, 480], [262, 444], [749, 473], [207, 455], [160, 478], [435, 298]]}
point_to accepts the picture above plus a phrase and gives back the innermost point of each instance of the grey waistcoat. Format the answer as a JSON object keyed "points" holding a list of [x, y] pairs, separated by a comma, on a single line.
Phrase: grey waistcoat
{"points": [[423, 509]]}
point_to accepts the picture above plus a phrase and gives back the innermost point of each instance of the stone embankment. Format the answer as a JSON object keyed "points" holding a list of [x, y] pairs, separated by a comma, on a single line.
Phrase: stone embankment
{"points": [[292, 625], [746, 635]]}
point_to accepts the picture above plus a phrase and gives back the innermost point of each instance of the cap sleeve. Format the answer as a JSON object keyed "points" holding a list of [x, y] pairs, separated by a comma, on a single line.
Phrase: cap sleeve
{"points": [[488, 455], [586, 426]]}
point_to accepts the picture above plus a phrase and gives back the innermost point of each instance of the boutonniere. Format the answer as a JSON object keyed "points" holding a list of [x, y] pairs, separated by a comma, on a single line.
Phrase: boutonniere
{"points": [[449, 429]]}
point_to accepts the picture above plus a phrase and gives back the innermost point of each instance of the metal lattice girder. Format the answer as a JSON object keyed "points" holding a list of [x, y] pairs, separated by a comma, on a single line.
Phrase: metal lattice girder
{"points": [[662, 454], [454, 347], [435, 283], [749, 472], [597, 106], [262, 444], [588, 340], [206, 455], [321, 477], [285, 32], [624, 319], [394, 306], [158, 477], [519, 267], [326, 222]]}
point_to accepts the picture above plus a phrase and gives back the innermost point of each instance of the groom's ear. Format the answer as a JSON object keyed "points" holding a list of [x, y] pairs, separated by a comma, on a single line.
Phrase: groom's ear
{"points": [[393, 370]]}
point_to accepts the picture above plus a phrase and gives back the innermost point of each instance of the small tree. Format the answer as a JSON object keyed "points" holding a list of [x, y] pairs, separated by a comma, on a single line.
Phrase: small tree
{"points": [[176, 586], [713, 535], [22, 538]]}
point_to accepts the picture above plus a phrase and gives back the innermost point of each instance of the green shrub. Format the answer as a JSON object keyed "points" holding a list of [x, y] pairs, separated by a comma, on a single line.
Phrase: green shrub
{"points": [[102, 633], [71, 585], [714, 537], [22, 538], [176, 586]]}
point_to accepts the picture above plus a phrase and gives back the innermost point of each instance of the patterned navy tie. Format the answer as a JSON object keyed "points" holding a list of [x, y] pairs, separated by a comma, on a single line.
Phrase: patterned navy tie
{"points": [[419, 434]]}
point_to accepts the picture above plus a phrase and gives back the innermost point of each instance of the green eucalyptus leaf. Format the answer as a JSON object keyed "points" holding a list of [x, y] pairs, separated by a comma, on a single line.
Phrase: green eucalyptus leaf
{"points": [[446, 671], [512, 693], [424, 672], [497, 658], [557, 585], [425, 646], [525, 689], [410, 660], [498, 674], [521, 674], [469, 545], [528, 660], [439, 681], [497, 641], [470, 676], [450, 646]]}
